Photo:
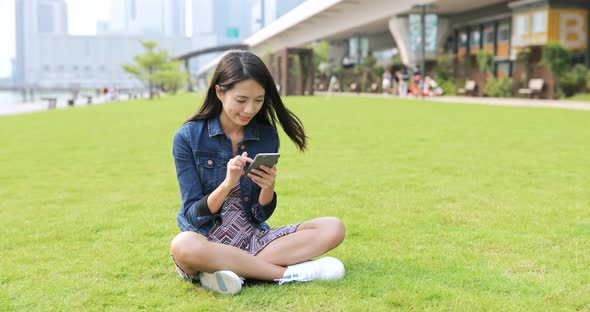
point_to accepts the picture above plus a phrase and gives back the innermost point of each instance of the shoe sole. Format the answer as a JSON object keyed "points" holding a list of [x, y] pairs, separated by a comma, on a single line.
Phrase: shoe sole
{"points": [[223, 282]]}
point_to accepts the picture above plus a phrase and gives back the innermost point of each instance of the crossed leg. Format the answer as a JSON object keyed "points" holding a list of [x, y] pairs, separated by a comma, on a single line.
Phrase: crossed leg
{"points": [[194, 253]]}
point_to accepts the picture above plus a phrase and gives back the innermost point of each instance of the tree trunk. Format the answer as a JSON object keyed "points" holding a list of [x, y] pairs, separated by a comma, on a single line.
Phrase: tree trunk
{"points": [[150, 83]]}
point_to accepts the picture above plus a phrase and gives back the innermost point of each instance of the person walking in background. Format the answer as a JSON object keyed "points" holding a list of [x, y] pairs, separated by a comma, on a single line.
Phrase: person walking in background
{"points": [[417, 84], [402, 85], [224, 235], [386, 82]]}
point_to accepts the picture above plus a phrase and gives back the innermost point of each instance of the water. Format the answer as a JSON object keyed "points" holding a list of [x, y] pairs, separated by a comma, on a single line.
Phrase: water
{"points": [[10, 97]]}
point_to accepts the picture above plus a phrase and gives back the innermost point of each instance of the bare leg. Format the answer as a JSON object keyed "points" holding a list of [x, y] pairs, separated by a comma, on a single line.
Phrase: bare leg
{"points": [[313, 238], [194, 253]]}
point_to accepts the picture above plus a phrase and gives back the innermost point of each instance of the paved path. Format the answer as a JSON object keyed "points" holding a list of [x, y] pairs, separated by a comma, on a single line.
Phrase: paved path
{"points": [[564, 104], [21, 108], [13, 109]]}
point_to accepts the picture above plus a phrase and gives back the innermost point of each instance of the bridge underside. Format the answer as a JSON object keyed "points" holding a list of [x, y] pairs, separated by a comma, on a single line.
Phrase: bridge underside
{"points": [[343, 19]]}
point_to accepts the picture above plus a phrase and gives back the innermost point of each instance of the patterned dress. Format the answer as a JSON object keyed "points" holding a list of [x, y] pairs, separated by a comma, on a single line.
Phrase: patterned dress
{"points": [[237, 230]]}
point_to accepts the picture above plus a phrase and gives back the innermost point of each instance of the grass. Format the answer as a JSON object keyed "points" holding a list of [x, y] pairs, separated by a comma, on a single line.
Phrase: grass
{"points": [[581, 97], [447, 207]]}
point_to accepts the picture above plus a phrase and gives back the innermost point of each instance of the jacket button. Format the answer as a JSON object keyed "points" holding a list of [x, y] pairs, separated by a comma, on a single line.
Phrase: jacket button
{"points": [[246, 199], [243, 147], [209, 162], [217, 222]]}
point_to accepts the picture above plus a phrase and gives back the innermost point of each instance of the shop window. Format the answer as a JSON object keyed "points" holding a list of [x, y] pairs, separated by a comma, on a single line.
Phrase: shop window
{"points": [[539, 22], [488, 37], [475, 39], [503, 70], [463, 40], [503, 34], [521, 24]]}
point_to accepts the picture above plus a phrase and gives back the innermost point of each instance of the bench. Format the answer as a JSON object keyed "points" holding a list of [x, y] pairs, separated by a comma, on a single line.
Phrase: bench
{"points": [[469, 87], [51, 101], [535, 86]]}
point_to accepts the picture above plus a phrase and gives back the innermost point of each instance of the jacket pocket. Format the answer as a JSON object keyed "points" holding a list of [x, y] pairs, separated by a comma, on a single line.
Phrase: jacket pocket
{"points": [[212, 170]]}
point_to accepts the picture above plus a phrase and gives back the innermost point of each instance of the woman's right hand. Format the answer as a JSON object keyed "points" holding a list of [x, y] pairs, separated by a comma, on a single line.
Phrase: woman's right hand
{"points": [[235, 169]]}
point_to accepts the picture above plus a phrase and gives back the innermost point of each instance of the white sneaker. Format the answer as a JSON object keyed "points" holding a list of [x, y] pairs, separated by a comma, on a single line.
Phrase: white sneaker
{"points": [[223, 282], [326, 268]]}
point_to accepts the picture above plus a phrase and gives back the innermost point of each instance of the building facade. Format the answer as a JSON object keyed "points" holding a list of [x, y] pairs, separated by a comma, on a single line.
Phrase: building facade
{"points": [[141, 17], [515, 32], [46, 56]]}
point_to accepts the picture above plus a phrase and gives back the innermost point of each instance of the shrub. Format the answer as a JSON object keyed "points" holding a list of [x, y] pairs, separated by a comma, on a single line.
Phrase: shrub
{"points": [[448, 87], [498, 87], [443, 68], [573, 81]]}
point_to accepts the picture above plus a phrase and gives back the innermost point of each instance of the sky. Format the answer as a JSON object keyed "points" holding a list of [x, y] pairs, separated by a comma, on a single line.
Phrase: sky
{"points": [[82, 18]]}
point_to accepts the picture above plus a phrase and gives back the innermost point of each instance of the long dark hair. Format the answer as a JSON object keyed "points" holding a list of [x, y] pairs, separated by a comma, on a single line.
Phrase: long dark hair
{"points": [[237, 66]]}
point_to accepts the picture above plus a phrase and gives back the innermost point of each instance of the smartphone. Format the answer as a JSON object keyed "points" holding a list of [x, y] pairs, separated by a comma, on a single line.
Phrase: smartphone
{"points": [[267, 159]]}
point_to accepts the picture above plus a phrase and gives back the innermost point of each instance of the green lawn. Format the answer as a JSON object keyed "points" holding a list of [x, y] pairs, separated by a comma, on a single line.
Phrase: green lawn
{"points": [[581, 97], [447, 207]]}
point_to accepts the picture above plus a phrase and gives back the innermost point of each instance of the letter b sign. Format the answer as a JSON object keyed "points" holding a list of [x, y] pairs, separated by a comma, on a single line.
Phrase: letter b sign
{"points": [[572, 29]]}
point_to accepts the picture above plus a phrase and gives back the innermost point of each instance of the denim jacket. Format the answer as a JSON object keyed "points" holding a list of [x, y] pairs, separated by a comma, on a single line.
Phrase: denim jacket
{"points": [[201, 151]]}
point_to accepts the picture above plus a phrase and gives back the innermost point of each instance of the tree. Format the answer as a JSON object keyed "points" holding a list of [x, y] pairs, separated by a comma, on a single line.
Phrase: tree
{"points": [[322, 64], [484, 61], [395, 61], [155, 68], [443, 68], [558, 59], [170, 77], [444, 74]]}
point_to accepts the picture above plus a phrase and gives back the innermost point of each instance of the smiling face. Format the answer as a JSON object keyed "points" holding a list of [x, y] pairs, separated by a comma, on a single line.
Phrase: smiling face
{"points": [[240, 103]]}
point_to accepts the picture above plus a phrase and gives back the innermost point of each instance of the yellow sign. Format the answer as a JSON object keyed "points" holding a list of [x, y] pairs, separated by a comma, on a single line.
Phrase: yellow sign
{"points": [[569, 27], [539, 27]]}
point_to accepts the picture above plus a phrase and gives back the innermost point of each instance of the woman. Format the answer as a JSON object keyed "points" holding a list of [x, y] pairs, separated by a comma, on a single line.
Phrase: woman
{"points": [[224, 236]]}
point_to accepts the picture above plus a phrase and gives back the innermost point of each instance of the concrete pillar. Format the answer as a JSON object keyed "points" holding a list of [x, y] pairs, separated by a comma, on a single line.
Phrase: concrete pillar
{"points": [[299, 75], [310, 72], [398, 26], [284, 71]]}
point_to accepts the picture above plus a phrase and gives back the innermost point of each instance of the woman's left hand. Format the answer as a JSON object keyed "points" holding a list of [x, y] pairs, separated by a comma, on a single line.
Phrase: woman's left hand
{"points": [[264, 177]]}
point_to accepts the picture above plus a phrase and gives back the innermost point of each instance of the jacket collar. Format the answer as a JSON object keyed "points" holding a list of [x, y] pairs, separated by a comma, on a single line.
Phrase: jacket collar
{"points": [[250, 131]]}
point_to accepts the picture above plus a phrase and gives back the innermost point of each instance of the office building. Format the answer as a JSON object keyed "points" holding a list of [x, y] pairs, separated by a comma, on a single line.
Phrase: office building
{"points": [[217, 23], [47, 56], [157, 17], [264, 12]]}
